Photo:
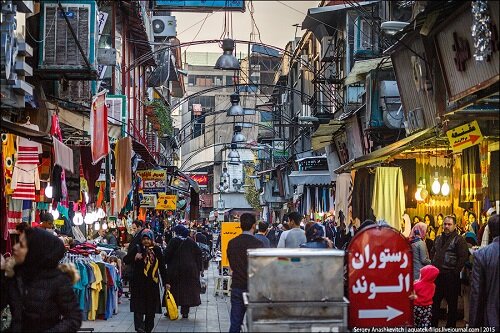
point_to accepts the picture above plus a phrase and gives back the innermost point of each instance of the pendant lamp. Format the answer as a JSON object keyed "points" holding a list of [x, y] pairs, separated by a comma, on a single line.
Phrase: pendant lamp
{"points": [[436, 186], [78, 218], [48, 191], [227, 61], [235, 109]]}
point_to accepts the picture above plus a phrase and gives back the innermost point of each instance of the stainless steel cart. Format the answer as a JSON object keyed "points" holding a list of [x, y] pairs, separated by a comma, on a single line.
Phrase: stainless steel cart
{"points": [[295, 290]]}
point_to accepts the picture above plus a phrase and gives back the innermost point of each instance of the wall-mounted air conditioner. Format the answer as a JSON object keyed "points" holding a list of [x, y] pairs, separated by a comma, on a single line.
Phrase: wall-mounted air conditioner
{"points": [[365, 37], [59, 49], [164, 26], [415, 121]]}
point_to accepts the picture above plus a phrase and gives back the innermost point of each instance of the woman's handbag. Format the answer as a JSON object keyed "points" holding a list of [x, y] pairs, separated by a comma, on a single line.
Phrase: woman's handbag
{"points": [[173, 312], [203, 283]]}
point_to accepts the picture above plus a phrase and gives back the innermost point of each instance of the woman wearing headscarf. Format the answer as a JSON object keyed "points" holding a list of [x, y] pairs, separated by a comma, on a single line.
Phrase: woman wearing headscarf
{"points": [[315, 237], [147, 269], [38, 290], [184, 265], [420, 253], [431, 232]]}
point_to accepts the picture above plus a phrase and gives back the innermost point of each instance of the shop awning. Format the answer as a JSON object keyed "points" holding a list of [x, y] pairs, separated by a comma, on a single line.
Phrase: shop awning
{"points": [[323, 135], [362, 67], [384, 153], [321, 15], [82, 122], [17, 129], [321, 177]]}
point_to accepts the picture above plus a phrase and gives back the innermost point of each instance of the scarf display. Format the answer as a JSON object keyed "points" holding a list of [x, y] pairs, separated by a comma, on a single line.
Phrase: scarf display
{"points": [[470, 182], [388, 202], [123, 173]]}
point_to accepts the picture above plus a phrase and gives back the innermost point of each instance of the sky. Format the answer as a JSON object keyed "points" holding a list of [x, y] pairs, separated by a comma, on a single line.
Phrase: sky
{"points": [[275, 20]]}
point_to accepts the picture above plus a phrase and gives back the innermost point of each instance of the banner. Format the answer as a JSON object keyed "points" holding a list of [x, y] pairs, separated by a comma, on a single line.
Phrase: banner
{"points": [[153, 181], [166, 202], [200, 177], [229, 230], [99, 141]]}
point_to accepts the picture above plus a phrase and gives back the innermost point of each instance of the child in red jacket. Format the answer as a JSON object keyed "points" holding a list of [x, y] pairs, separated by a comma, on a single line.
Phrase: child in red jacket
{"points": [[424, 292]]}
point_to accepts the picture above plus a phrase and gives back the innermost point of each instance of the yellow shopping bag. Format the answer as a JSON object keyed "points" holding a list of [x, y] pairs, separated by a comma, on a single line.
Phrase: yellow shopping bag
{"points": [[173, 312]]}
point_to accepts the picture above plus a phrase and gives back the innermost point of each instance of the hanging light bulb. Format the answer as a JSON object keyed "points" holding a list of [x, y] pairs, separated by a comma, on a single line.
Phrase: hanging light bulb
{"points": [[104, 226], [88, 219], [100, 213], [78, 218], [418, 196], [436, 186], [97, 226], [424, 193], [54, 213], [445, 189], [48, 191]]}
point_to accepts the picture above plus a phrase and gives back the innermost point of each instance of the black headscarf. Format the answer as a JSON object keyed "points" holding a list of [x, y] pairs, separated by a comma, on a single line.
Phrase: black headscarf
{"points": [[44, 252]]}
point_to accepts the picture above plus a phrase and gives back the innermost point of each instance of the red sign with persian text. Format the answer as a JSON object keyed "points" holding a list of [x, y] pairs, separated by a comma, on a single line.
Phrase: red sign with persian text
{"points": [[380, 278], [200, 178]]}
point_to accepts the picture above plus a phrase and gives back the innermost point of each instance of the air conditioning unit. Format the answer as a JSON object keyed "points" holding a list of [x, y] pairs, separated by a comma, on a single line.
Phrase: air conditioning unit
{"points": [[365, 38], [331, 74], [327, 48], [58, 49], [164, 26], [415, 121], [76, 91]]}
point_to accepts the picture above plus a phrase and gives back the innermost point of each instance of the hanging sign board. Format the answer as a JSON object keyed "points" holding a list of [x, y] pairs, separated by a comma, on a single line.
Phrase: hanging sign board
{"points": [[464, 136], [166, 201], [149, 201], [229, 230], [153, 181], [380, 279], [203, 5]]}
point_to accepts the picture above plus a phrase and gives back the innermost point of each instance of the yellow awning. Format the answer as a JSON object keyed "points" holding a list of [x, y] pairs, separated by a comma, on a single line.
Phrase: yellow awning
{"points": [[362, 67], [384, 153], [323, 136]]}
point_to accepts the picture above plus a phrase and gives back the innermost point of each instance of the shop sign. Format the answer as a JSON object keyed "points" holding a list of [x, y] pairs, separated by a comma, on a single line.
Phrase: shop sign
{"points": [[153, 181], [229, 230], [166, 202], [462, 75], [187, 5], [312, 164], [279, 149], [464, 136], [380, 279], [148, 201], [200, 177]]}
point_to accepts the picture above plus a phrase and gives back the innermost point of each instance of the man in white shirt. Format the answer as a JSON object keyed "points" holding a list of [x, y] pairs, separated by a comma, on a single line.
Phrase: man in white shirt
{"points": [[295, 236]]}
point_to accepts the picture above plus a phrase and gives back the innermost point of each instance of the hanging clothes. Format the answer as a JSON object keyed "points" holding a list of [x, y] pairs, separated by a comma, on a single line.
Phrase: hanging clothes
{"points": [[8, 156], [73, 178], [123, 174], [409, 169], [470, 184], [343, 188], [362, 194], [388, 202], [25, 181], [90, 171], [494, 176], [63, 155]]}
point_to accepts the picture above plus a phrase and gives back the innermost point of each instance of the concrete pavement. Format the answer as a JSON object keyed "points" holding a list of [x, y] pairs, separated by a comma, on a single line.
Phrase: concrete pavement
{"points": [[211, 316]]}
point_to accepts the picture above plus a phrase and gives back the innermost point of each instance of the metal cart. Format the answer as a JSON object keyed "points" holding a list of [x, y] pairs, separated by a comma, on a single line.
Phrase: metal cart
{"points": [[296, 290]]}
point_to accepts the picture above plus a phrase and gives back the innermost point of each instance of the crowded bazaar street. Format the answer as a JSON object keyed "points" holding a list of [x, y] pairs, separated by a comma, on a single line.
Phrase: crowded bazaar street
{"points": [[249, 166]]}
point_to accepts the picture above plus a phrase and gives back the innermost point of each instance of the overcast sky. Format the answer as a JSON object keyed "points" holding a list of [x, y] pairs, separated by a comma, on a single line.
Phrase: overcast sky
{"points": [[275, 20]]}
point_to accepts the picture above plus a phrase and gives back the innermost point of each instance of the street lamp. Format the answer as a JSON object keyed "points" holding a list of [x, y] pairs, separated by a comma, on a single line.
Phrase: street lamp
{"points": [[238, 137], [235, 109]]}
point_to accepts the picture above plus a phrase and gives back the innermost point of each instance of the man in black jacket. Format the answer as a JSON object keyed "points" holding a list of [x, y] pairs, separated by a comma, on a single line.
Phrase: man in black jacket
{"points": [[238, 261], [450, 254], [484, 301]]}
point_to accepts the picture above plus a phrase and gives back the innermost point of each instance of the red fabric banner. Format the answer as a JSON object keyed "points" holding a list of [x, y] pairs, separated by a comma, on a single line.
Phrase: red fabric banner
{"points": [[99, 141]]}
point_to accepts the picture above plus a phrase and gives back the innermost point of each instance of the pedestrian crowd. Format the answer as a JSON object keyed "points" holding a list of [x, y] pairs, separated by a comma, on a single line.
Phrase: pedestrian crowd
{"points": [[450, 259]]}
